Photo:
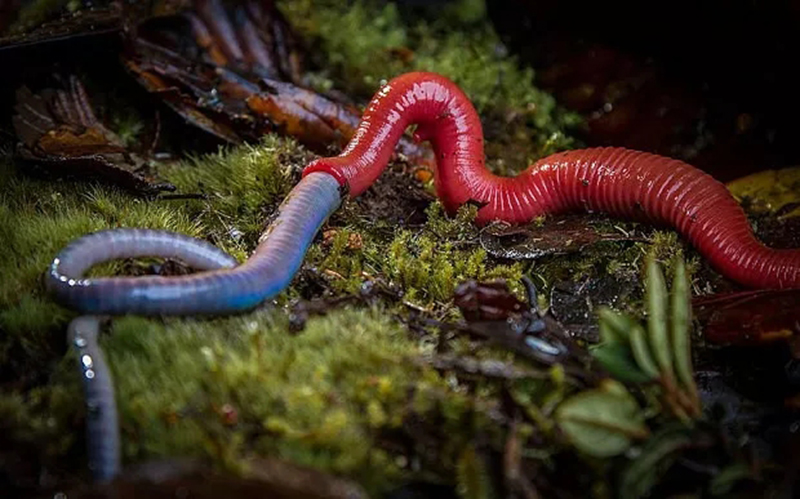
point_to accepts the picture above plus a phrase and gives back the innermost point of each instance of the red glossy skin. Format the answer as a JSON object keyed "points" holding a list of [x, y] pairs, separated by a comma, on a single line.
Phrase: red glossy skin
{"points": [[621, 182]]}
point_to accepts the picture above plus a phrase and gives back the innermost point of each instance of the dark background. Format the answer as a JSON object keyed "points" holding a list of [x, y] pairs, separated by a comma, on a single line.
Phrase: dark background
{"points": [[708, 81]]}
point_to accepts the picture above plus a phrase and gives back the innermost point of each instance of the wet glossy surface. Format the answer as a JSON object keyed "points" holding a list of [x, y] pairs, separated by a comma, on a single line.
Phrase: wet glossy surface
{"points": [[220, 289], [102, 430], [618, 181]]}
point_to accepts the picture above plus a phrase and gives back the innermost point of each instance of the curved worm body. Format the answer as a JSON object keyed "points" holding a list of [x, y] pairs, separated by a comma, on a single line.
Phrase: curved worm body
{"points": [[223, 287], [102, 426], [226, 289], [617, 181]]}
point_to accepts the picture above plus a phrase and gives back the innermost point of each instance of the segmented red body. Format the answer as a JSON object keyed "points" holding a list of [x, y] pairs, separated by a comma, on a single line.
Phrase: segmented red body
{"points": [[621, 182]]}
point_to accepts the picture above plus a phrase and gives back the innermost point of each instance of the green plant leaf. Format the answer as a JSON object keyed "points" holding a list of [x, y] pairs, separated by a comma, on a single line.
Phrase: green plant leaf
{"points": [[641, 352], [725, 480], [656, 291], [656, 457], [607, 334], [681, 317], [618, 360], [602, 422], [615, 327]]}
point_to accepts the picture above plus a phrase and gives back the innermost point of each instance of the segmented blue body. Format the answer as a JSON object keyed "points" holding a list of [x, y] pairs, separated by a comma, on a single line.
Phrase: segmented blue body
{"points": [[225, 289]]}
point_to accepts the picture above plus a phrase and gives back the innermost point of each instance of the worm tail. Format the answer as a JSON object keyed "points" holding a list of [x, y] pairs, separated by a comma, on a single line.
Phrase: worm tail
{"points": [[102, 430], [638, 185]]}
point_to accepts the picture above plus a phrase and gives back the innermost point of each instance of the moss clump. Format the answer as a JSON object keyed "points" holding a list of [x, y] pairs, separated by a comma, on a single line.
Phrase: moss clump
{"points": [[233, 387], [426, 263], [667, 247], [241, 385], [242, 185]]}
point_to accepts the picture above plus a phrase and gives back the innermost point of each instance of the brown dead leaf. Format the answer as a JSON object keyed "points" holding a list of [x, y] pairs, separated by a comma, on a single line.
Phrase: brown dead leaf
{"points": [[60, 133], [749, 317], [234, 71]]}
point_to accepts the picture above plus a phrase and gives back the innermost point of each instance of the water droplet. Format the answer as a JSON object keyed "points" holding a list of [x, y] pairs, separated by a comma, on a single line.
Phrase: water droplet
{"points": [[86, 360], [541, 346], [89, 374], [80, 341], [235, 234], [367, 287]]}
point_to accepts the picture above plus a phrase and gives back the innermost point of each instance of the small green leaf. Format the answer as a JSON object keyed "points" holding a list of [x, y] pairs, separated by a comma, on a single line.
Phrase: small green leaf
{"points": [[681, 342], [614, 326], [725, 480], [617, 359], [641, 352], [602, 422], [656, 457], [656, 291], [607, 334]]}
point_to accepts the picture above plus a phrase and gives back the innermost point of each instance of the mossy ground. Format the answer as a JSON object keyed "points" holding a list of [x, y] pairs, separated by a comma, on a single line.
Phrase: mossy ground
{"points": [[319, 398], [231, 387]]}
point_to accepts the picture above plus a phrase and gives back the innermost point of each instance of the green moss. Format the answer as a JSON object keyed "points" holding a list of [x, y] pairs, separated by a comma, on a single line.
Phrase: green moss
{"points": [[667, 247], [310, 398], [243, 185], [426, 263], [231, 388], [429, 269], [36, 12]]}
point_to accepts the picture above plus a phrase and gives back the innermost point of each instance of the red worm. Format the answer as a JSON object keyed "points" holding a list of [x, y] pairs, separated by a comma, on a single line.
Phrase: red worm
{"points": [[621, 182]]}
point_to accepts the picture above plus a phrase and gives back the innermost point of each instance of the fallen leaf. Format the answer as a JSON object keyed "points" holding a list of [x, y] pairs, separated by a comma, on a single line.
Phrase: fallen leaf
{"points": [[60, 134], [557, 235], [770, 191], [749, 317], [603, 422]]}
